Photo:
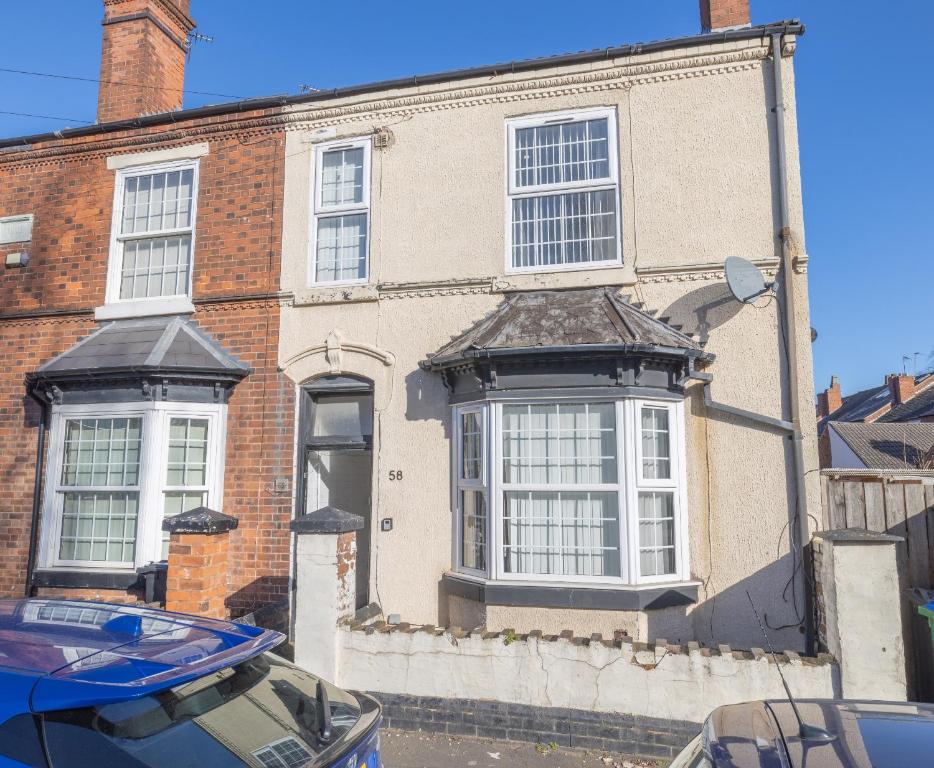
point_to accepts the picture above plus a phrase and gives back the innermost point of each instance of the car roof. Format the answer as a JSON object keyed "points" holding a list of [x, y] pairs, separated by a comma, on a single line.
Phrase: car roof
{"points": [[867, 734], [81, 653]]}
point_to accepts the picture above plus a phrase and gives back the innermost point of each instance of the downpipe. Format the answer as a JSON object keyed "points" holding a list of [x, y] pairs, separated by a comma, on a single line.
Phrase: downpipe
{"points": [[791, 337]]}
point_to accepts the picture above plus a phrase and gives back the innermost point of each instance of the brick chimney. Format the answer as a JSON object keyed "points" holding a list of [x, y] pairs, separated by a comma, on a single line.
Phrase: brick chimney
{"points": [[901, 386], [718, 15], [142, 57], [830, 399]]}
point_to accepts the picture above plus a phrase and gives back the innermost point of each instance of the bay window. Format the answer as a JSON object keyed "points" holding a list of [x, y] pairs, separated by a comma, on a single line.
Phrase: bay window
{"points": [[115, 471], [340, 220], [567, 491], [563, 191]]}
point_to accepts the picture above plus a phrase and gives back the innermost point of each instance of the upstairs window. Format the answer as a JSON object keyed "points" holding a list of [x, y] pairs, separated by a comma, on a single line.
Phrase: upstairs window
{"points": [[341, 216], [154, 217], [563, 191]]}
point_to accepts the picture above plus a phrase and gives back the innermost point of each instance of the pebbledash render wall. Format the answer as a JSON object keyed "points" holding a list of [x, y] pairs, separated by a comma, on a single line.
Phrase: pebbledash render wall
{"points": [[46, 306], [698, 184]]}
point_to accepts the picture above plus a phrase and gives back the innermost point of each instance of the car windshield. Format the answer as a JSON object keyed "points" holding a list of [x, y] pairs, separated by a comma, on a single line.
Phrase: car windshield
{"points": [[263, 712]]}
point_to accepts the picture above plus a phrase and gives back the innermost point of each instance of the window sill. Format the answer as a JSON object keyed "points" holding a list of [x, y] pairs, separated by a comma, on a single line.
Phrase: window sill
{"points": [[84, 579], [335, 293], [647, 597], [175, 305], [583, 276]]}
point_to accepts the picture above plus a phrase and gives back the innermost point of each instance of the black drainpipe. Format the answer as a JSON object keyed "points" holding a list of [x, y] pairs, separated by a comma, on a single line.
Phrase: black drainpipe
{"points": [[36, 492]]}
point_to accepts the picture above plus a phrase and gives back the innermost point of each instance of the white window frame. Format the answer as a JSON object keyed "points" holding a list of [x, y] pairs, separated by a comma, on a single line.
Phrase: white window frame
{"points": [[156, 417], [629, 483], [319, 211], [152, 305], [676, 483], [514, 192], [480, 485]]}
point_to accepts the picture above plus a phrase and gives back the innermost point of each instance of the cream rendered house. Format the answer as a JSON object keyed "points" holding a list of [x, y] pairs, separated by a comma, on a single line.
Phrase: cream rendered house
{"points": [[485, 275]]}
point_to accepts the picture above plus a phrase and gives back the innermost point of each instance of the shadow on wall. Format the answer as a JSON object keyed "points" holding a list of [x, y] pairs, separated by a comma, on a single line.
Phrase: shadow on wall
{"points": [[704, 309], [726, 617], [426, 398], [257, 595]]}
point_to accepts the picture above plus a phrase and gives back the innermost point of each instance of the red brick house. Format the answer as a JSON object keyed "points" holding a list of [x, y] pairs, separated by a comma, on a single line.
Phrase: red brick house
{"points": [[139, 311]]}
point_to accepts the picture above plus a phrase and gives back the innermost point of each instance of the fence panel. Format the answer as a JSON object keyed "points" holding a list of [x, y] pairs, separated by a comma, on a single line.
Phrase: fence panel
{"points": [[896, 502]]}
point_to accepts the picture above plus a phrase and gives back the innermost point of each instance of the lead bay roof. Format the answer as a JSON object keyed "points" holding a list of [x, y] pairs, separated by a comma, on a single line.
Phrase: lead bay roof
{"points": [[592, 319]]}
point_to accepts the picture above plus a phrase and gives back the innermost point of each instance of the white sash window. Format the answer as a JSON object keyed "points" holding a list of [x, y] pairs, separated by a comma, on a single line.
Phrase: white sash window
{"points": [[153, 231], [563, 191], [341, 213]]}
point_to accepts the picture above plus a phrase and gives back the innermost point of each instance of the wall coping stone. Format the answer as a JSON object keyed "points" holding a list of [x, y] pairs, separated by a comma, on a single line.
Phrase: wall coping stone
{"points": [[659, 647], [200, 520], [857, 536], [327, 520]]}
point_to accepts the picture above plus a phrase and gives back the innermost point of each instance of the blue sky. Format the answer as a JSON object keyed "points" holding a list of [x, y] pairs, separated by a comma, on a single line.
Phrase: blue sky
{"points": [[865, 111]]}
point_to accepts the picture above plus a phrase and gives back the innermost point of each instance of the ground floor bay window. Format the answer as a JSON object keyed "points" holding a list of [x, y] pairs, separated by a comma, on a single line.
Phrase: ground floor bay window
{"points": [[115, 471], [588, 491]]}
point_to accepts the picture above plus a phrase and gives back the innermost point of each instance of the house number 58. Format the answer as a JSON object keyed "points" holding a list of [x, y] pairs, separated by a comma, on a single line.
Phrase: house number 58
{"points": [[395, 474]]}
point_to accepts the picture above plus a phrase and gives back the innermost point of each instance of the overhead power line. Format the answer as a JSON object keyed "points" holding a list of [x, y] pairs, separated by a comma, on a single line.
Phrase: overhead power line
{"points": [[47, 117], [114, 82]]}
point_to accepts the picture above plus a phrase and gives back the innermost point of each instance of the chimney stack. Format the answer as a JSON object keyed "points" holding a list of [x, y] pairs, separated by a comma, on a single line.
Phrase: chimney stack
{"points": [[720, 15], [830, 399], [901, 386], [142, 57]]}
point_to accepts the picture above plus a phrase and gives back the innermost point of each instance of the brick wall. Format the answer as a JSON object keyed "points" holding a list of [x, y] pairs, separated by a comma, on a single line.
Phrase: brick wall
{"points": [[48, 305], [24, 345]]}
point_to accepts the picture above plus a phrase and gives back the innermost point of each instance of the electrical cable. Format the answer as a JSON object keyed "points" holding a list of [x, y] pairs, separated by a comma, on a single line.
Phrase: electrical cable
{"points": [[47, 117], [114, 82], [796, 565]]}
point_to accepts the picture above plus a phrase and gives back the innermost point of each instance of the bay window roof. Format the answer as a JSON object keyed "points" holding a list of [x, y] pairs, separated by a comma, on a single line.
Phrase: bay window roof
{"points": [[592, 320], [155, 348]]}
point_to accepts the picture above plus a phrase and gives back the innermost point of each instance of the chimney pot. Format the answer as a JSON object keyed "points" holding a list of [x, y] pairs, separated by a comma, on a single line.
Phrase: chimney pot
{"points": [[719, 15], [143, 56]]}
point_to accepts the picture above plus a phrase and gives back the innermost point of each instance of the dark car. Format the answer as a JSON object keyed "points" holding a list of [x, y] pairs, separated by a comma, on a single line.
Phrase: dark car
{"points": [[95, 684], [835, 734]]}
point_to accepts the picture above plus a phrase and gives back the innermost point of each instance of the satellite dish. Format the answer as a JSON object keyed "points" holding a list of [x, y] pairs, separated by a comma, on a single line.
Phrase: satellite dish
{"points": [[744, 279]]}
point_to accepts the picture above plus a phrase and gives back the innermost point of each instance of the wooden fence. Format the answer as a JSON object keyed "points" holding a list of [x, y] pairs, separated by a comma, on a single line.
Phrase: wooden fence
{"points": [[896, 502]]}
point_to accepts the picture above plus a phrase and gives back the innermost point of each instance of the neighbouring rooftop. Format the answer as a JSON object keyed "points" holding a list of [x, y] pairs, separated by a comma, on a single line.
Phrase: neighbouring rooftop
{"points": [[897, 445]]}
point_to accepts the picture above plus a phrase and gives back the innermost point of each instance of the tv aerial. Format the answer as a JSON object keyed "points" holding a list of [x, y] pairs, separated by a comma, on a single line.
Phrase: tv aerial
{"points": [[745, 280]]}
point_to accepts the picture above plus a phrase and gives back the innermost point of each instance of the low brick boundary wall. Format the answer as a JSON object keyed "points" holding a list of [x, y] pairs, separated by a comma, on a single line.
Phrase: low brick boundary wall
{"points": [[603, 731]]}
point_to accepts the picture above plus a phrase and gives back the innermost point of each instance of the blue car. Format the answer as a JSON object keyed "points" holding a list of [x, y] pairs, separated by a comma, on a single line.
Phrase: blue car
{"points": [[95, 684]]}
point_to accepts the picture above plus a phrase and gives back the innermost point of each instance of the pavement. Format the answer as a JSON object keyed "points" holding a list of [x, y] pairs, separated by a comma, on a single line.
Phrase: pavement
{"points": [[407, 749]]}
